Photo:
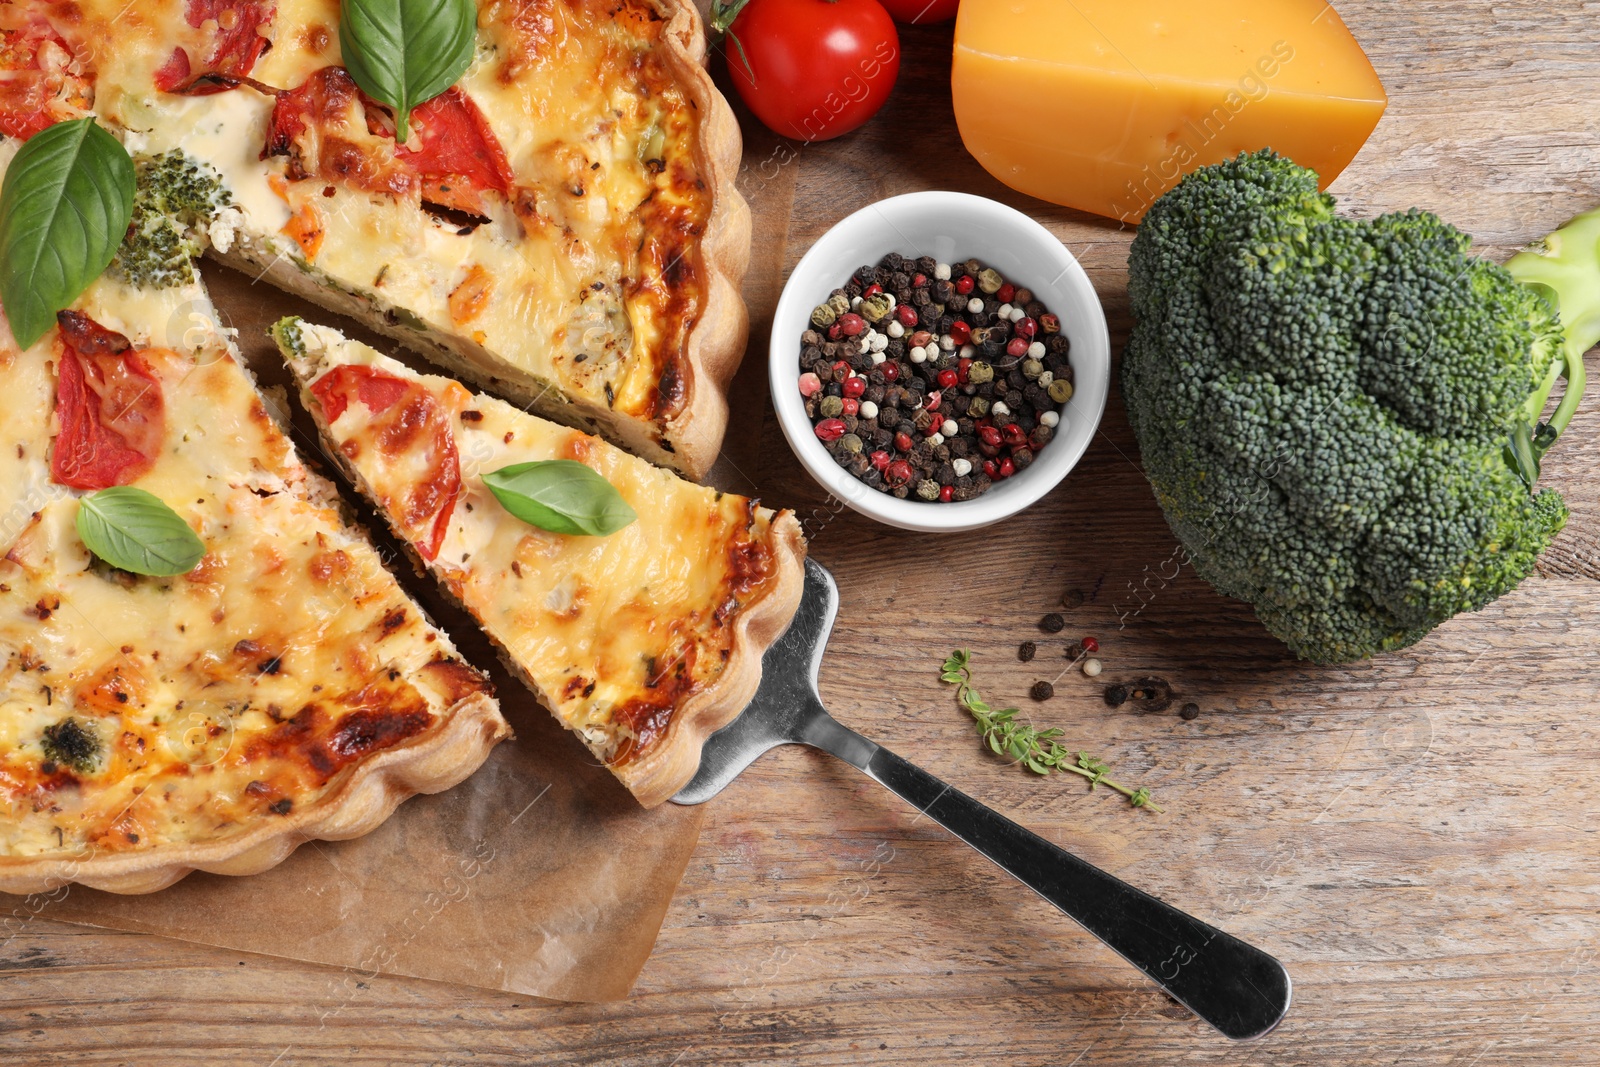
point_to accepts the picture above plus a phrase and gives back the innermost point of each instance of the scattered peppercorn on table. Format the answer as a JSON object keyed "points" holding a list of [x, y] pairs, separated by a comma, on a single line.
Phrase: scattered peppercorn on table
{"points": [[1415, 837]]}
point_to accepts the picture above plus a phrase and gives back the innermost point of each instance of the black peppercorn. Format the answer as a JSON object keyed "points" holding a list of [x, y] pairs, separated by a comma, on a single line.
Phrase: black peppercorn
{"points": [[1042, 691], [1026, 651], [1116, 695], [1189, 712], [1052, 623]]}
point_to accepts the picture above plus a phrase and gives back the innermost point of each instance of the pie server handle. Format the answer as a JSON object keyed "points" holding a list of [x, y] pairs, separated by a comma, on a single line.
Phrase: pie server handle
{"points": [[1237, 988]]}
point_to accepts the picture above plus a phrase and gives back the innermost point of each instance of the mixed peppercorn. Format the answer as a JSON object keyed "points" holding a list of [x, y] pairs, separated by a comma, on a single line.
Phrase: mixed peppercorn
{"points": [[933, 380]]}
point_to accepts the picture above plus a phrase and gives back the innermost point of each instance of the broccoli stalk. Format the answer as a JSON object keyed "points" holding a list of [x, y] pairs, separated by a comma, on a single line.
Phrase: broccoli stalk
{"points": [[1564, 269], [1341, 418]]}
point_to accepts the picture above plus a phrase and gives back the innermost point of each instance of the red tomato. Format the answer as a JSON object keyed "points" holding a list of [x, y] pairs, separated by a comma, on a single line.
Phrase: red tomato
{"points": [[813, 69], [407, 422], [109, 406], [921, 12]]}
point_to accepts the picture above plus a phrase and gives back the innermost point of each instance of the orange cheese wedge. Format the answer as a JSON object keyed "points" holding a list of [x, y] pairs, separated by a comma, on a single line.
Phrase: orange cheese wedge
{"points": [[1103, 105]]}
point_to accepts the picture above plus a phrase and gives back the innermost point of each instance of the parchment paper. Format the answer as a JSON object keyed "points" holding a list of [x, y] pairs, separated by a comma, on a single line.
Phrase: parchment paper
{"points": [[538, 875]]}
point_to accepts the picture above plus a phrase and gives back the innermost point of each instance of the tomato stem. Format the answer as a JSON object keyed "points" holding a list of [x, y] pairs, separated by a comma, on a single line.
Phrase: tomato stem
{"points": [[723, 14]]}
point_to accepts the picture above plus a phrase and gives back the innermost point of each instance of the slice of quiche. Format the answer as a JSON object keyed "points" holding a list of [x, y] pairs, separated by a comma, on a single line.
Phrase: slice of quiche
{"points": [[284, 688], [559, 227], [643, 642]]}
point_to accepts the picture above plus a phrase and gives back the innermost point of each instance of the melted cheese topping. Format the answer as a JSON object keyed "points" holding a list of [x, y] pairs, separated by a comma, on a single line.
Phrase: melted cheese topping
{"points": [[614, 633], [216, 700], [593, 283]]}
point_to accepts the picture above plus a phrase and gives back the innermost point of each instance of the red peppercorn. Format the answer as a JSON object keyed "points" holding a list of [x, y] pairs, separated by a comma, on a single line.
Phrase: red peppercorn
{"points": [[854, 386], [891, 371], [898, 474], [852, 406], [920, 339], [947, 493], [989, 450], [1090, 644], [1006, 293], [964, 284], [905, 314], [810, 384], [1017, 346], [948, 378], [879, 459], [830, 429], [834, 332], [1013, 436], [871, 290], [933, 428], [960, 332], [1026, 327], [963, 370], [991, 468], [918, 281], [988, 435], [1007, 468], [841, 371], [850, 324], [1049, 324], [902, 441]]}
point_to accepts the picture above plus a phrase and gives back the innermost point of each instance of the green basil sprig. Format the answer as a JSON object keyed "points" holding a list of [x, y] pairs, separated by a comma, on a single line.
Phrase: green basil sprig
{"points": [[562, 496], [134, 530], [406, 52], [64, 209]]}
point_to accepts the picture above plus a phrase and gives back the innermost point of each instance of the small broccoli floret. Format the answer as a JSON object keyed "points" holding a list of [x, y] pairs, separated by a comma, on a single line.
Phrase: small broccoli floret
{"points": [[1324, 405], [72, 744], [176, 198]]}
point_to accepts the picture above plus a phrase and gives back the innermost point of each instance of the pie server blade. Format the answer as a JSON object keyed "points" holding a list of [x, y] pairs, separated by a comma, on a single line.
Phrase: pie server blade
{"points": [[1237, 988]]}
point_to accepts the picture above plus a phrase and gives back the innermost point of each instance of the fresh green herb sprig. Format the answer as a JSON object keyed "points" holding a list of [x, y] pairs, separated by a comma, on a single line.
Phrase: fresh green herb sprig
{"points": [[1038, 750]]}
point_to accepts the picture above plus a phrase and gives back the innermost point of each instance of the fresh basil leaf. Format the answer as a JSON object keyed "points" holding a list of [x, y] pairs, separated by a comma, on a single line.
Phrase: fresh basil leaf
{"points": [[64, 209], [406, 52], [132, 529], [562, 496]]}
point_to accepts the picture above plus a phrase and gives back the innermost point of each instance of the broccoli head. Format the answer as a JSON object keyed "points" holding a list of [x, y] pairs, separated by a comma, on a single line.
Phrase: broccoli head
{"points": [[1340, 417], [175, 199]]}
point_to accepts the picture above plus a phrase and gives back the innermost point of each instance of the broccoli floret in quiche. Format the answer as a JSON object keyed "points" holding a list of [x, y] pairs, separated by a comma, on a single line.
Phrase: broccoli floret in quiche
{"points": [[176, 199]]}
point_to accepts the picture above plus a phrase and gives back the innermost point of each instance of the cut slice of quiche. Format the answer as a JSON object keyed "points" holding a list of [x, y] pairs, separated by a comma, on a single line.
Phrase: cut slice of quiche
{"points": [[284, 688], [560, 227], [644, 641]]}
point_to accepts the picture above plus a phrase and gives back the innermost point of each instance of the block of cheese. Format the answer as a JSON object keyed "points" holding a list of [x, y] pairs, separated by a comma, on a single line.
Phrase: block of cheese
{"points": [[1103, 105]]}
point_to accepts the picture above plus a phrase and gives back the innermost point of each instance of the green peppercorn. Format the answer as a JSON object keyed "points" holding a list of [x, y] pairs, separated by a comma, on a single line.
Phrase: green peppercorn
{"points": [[989, 280], [980, 372], [850, 443], [1060, 390], [1031, 369], [977, 407], [874, 308], [831, 407], [839, 302], [823, 315], [928, 489]]}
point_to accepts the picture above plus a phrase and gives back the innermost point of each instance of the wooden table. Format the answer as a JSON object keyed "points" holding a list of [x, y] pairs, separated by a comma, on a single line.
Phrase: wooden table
{"points": [[1417, 838]]}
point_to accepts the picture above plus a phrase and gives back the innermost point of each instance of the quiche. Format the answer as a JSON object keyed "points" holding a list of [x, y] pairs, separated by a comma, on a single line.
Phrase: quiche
{"points": [[642, 642], [559, 227], [284, 689]]}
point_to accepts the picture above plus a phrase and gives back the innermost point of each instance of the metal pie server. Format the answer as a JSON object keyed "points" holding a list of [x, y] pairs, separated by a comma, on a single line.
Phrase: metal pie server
{"points": [[1235, 987]]}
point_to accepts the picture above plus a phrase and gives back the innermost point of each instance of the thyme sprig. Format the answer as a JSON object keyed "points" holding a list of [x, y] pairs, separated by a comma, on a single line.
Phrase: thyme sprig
{"points": [[1038, 750]]}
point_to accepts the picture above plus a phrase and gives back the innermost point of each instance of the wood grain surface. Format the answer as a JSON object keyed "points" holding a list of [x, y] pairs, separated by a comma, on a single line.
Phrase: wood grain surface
{"points": [[1418, 838]]}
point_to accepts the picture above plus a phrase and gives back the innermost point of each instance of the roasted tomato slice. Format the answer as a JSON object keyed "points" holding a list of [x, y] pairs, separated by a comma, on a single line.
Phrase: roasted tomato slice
{"points": [[238, 37], [408, 423], [332, 131], [109, 405], [40, 81]]}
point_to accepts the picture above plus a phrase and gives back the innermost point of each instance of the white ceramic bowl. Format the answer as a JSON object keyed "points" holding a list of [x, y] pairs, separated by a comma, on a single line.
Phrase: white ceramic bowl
{"points": [[949, 227]]}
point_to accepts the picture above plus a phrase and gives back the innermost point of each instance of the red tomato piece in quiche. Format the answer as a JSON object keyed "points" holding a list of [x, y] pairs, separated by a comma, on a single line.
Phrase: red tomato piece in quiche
{"points": [[41, 83], [110, 407], [236, 32]]}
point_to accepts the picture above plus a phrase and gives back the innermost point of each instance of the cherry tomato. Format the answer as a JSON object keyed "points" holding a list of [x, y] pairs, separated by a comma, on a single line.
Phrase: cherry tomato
{"points": [[921, 12], [813, 69]]}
